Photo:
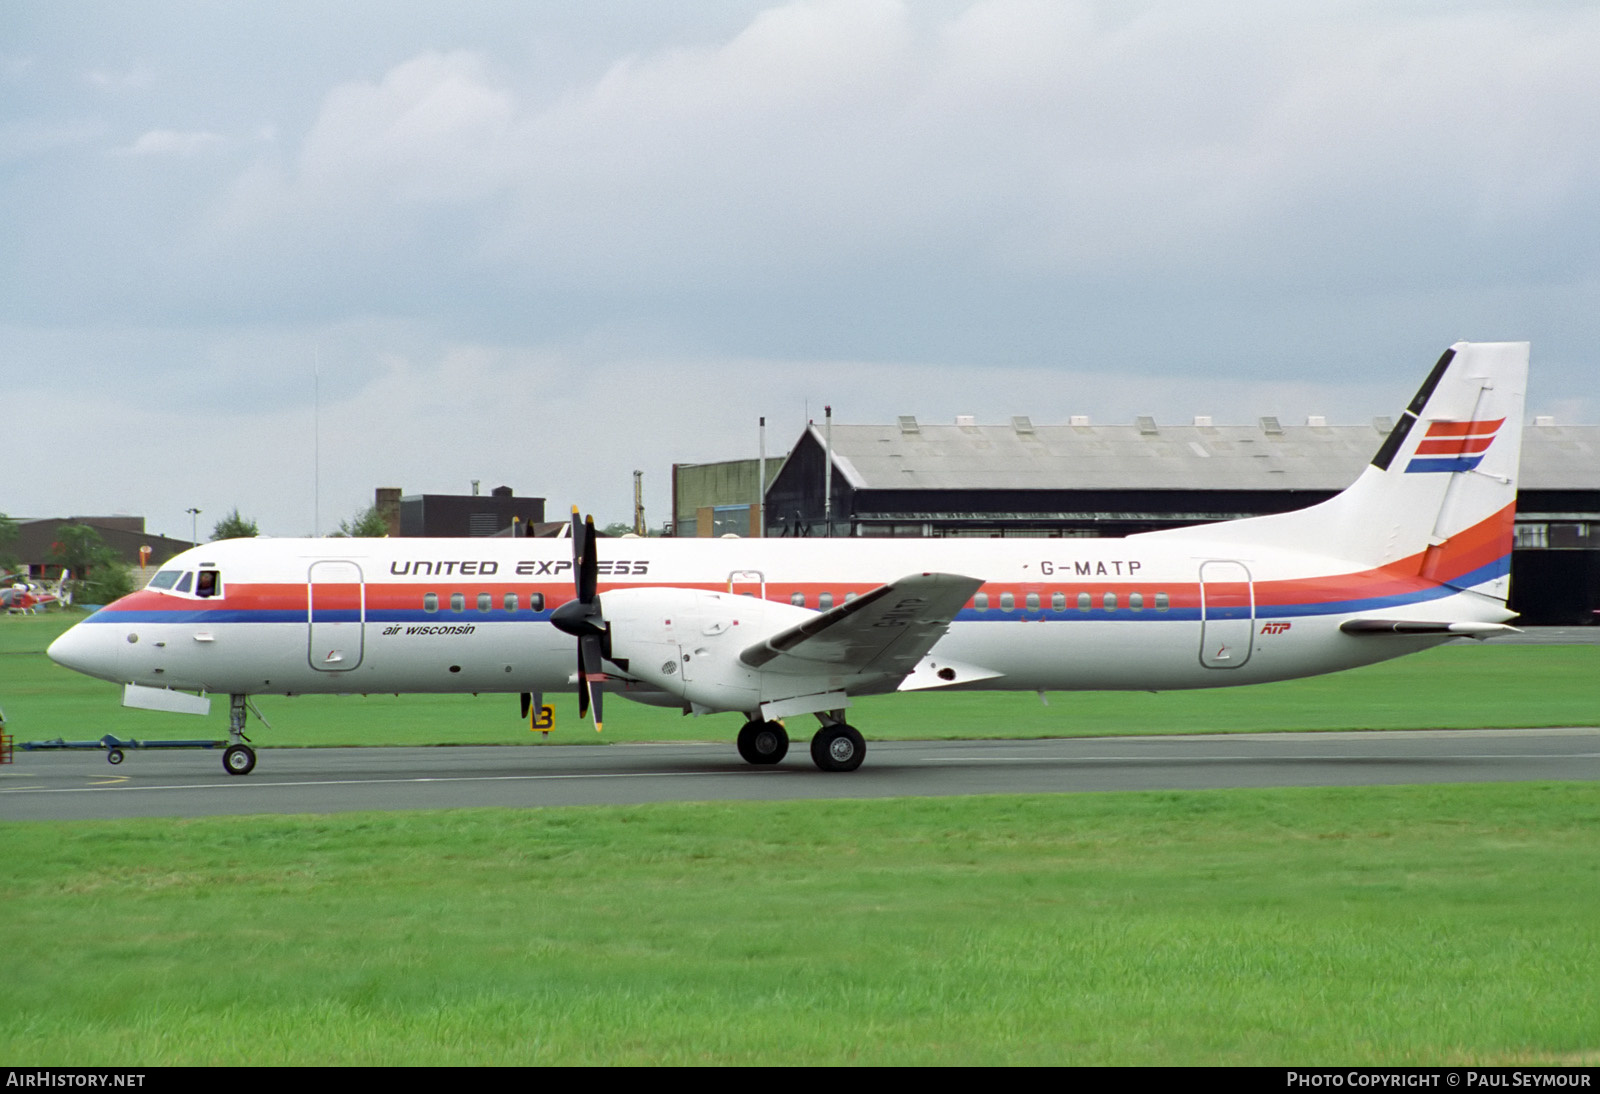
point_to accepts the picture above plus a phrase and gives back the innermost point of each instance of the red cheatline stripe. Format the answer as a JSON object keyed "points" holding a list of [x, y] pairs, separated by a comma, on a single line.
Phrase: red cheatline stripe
{"points": [[1454, 446], [1464, 429]]}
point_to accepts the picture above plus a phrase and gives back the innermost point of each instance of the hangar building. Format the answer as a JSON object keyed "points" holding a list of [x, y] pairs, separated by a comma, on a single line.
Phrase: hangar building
{"points": [[125, 535], [919, 479], [499, 513]]}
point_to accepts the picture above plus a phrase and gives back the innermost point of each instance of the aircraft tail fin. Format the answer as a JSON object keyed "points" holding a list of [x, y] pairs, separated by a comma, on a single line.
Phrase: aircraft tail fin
{"points": [[1439, 497]]}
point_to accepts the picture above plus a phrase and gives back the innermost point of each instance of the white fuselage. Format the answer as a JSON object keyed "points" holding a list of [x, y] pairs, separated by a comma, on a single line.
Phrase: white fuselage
{"points": [[471, 615]]}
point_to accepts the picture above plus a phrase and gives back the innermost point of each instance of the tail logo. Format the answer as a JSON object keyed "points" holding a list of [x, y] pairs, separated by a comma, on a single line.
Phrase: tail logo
{"points": [[1454, 446]]}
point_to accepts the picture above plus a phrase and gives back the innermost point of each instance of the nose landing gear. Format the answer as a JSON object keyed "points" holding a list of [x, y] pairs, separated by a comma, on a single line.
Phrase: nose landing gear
{"points": [[238, 758]]}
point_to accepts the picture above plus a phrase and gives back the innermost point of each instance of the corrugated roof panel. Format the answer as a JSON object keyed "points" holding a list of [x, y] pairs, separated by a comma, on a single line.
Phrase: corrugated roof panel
{"points": [[1111, 457]]}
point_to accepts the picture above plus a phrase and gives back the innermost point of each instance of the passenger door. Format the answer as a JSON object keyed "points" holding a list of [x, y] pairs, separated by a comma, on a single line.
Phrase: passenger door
{"points": [[337, 615], [1227, 613]]}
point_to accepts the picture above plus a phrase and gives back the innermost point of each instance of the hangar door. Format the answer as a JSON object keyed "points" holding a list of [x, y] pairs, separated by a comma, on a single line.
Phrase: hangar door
{"points": [[337, 615], [1227, 614]]}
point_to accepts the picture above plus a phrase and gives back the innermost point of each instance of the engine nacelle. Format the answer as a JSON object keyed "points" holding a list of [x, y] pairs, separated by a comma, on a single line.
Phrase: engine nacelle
{"points": [[687, 642]]}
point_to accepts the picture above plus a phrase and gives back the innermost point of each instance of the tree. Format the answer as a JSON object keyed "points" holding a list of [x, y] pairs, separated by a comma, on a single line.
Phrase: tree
{"points": [[8, 543], [367, 524], [233, 526], [618, 528], [98, 575]]}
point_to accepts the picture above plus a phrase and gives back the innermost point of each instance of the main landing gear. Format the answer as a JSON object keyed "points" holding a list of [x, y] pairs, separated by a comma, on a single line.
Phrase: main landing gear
{"points": [[238, 758], [763, 743], [835, 747], [838, 747]]}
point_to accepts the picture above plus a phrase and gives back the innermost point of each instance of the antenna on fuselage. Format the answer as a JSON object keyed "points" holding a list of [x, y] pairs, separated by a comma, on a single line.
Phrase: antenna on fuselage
{"points": [[316, 441]]}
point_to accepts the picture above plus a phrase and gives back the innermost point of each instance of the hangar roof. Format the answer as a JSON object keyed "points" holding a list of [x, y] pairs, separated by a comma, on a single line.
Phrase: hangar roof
{"points": [[1148, 456]]}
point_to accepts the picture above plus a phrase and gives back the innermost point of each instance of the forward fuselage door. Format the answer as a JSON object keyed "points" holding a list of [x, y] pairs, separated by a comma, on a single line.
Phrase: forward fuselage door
{"points": [[337, 613], [1227, 613]]}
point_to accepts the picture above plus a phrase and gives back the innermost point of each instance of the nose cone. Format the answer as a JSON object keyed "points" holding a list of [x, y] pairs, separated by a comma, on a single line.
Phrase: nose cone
{"points": [[89, 650]]}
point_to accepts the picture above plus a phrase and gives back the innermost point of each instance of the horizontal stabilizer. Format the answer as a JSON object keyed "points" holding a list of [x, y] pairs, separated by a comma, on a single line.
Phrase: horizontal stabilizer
{"points": [[1479, 631]]}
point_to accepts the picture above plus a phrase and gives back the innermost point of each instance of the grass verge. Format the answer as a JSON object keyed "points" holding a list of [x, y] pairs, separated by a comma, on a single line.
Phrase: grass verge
{"points": [[1420, 925]]}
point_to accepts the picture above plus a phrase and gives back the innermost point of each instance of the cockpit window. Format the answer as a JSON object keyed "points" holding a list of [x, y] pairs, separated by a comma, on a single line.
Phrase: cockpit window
{"points": [[183, 583], [164, 579], [209, 583]]}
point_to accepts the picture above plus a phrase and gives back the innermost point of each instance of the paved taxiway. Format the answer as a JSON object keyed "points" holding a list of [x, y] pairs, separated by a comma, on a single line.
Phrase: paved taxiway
{"points": [[63, 785]]}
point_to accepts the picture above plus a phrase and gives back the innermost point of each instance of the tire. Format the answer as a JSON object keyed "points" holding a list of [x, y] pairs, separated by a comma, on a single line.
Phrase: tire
{"points": [[239, 760], [763, 743], [114, 756], [838, 748]]}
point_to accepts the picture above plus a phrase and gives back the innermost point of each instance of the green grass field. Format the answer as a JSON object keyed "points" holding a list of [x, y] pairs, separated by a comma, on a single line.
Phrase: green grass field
{"points": [[1426, 925], [1393, 925], [1455, 687]]}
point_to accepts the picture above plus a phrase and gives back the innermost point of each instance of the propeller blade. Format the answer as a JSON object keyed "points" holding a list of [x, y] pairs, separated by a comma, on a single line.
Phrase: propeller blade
{"points": [[592, 675], [527, 704], [582, 618], [586, 566]]}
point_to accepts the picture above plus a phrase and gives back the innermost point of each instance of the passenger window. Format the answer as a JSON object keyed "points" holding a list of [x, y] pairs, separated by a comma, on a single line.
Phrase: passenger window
{"points": [[1161, 602], [848, 597], [183, 582], [511, 602], [458, 602], [1007, 602], [1110, 602], [798, 599], [1058, 602], [208, 584], [485, 602], [981, 602], [1033, 602], [1083, 602], [536, 602], [430, 602], [825, 601], [1136, 601]]}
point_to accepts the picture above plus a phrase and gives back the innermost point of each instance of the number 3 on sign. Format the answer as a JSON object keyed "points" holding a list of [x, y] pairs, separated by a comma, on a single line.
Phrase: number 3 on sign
{"points": [[543, 719]]}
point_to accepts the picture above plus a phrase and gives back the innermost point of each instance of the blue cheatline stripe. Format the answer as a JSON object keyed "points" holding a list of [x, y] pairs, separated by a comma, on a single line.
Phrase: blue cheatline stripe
{"points": [[1448, 463], [261, 615], [471, 615], [1094, 615], [1498, 568], [255, 615]]}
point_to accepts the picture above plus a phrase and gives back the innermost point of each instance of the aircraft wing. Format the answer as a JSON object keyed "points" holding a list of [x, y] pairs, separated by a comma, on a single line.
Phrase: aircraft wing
{"points": [[887, 630]]}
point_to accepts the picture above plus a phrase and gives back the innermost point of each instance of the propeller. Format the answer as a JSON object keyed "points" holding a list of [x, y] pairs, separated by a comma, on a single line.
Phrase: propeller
{"points": [[581, 617]]}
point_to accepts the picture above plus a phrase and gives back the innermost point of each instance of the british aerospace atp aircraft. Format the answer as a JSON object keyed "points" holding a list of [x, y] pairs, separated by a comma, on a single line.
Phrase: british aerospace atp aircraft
{"points": [[1415, 553]]}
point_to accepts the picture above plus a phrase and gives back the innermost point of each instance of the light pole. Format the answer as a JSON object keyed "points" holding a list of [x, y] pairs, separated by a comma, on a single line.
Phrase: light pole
{"points": [[194, 526]]}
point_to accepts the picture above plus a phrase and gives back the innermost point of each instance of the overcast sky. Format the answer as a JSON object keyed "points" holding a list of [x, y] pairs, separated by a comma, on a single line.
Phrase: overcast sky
{"points": [[545, 244]]}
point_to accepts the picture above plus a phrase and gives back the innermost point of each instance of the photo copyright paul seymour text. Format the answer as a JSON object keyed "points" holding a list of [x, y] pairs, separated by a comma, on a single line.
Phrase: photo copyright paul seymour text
{"points": [[1464, 1078]]}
